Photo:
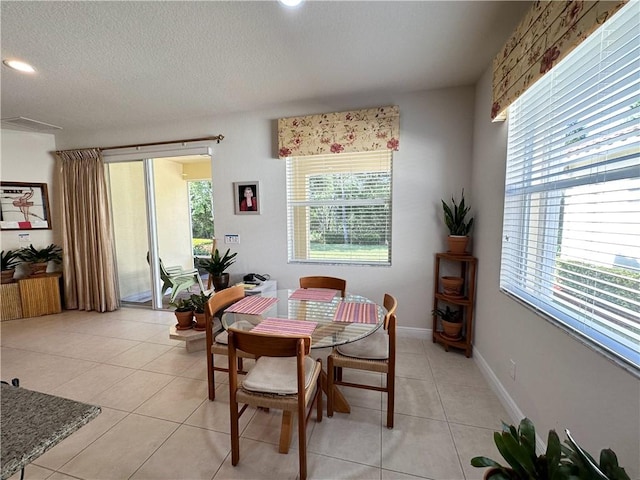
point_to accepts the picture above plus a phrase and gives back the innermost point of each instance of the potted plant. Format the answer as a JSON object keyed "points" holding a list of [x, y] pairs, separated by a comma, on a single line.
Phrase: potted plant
{"points": [[452, 286], [559, 462], [459, 227], [199, 302], [10, 260], [184, 313], [216, 267], [39, 258], [451, 322]]}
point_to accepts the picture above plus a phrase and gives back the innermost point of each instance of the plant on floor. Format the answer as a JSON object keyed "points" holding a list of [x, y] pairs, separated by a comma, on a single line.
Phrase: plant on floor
{"points": [[518, 448]]}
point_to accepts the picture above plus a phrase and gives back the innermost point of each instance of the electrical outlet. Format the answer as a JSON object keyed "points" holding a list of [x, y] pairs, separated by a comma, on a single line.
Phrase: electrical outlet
{"points": [[232, 239], [512, 369]]}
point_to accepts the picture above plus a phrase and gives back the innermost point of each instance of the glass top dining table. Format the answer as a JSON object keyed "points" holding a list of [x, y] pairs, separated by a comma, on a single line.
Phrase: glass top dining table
{"points": [[338, 320]]}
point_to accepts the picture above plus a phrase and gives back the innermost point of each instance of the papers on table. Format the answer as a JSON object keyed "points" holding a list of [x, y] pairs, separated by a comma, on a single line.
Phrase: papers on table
{"points": [[254, 305], [315, 294], [283, 326], [355, 312]]}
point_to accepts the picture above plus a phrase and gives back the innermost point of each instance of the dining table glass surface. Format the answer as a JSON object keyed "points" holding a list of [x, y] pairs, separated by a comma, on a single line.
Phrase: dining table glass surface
{"points": [[337, 320]]}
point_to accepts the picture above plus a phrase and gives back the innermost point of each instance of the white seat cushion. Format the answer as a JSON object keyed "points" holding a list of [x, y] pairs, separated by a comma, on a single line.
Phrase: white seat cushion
{"points": [[371, 347], [223, 337], [277, 375]]}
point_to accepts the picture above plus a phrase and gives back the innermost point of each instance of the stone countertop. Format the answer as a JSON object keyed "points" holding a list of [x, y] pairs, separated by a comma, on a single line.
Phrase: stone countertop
{"points": [[33, 422]]}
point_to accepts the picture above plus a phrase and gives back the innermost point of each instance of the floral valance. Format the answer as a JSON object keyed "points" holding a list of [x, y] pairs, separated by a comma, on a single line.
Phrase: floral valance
{"points": [[356, 131], [548, 32]]}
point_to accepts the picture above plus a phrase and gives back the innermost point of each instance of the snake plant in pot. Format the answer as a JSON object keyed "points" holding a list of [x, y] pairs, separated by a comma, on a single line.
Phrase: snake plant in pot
{"points": [[39, 258], [216, 266], [455, 218], [10, 260]]}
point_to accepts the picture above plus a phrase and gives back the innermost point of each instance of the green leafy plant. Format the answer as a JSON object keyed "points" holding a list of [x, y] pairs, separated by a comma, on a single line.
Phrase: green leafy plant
{"points": [[199, 301], [559, 462], [447, 314], [455, 215], [217, 264], [10, 259], [51, 253], [183, 305]]}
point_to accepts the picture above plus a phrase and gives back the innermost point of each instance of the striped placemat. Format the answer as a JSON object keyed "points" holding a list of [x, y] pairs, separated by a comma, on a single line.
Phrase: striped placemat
{"points": [[283, 326], [315, 294], [253, 305], [355, 312]]}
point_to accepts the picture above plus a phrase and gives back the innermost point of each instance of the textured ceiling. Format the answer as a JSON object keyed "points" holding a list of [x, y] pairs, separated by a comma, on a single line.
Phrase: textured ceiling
{"points": [[106, 64]]}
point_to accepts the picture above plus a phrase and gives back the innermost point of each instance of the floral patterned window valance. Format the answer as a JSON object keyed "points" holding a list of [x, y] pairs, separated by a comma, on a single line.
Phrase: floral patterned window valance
{"points": [[356, 131], [548, 32]]}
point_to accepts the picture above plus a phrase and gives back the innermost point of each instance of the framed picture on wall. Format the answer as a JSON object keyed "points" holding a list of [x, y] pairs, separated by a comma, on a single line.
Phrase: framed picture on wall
{"points": [[247, 198], [24, 206]]}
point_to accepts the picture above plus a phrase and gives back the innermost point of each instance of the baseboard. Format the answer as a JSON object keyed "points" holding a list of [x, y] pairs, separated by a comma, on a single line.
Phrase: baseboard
{"points": [[514, 412], [412, 332]]}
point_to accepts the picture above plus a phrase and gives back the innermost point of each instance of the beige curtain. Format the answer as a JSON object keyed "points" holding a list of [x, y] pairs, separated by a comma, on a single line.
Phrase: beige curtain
{"points": [[344, 132], [90, 278], [549, 32]]}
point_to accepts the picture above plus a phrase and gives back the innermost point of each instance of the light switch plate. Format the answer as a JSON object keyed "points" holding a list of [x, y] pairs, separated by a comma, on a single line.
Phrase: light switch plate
{"points": [[232, 239]]}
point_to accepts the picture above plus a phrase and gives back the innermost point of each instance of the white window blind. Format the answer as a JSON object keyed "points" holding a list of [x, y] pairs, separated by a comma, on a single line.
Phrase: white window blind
{"points": [[571, 231], [339, 208]]}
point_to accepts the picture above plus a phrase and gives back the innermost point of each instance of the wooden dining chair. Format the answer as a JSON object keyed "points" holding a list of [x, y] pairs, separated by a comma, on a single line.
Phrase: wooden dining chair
{"points": [[275, 382], [216, 343], [373, 353], [333, 283]]}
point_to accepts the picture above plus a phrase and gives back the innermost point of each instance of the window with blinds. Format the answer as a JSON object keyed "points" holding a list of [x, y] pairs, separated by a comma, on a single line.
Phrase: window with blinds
{"points": [[339, 208], [571, 231]]}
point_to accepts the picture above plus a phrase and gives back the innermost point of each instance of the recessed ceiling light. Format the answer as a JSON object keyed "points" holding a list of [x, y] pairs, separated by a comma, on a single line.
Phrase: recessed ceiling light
{"points": [[290, 3], [20, 66]]}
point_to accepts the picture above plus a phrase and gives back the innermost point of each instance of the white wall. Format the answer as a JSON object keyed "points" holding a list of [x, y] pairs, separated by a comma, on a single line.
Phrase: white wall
{"points": [[26, 157], [433, 162], [560, 383]]}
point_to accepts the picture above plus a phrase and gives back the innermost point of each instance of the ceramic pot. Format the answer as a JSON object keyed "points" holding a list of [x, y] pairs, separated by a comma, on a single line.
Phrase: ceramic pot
{"points": [[201, 322], [452, 285], [457, 244], [185, 320], [39, 269], [220, 282], [7, 276], [452, 329]]}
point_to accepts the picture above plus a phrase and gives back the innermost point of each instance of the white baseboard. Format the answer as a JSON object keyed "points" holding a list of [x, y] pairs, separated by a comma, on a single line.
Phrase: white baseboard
{"points": [[412, 332]]}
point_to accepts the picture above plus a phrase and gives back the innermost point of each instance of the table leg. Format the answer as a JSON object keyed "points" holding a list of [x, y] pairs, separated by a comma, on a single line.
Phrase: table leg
{"points": [[340, 403], [286, 431]]}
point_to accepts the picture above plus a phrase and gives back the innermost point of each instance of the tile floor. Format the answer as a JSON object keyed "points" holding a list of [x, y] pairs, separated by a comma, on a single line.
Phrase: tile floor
{"points": [[157, 421]]}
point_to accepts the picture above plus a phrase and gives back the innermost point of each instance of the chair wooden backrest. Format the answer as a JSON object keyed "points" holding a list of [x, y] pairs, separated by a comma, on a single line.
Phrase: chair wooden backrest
{"points": [[390, 304], [217, 302], [333, 283]]}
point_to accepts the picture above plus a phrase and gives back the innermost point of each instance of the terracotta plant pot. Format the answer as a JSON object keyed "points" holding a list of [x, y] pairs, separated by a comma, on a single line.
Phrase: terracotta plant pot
{"points": [[457, 244], [201, 323], [38, 269], [185, 320], [452, 285], [452, 329], [7, 276], [220, 282]]}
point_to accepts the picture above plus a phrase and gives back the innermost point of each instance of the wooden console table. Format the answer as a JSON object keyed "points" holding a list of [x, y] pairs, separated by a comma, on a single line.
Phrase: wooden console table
{"points": [[31, 297]]}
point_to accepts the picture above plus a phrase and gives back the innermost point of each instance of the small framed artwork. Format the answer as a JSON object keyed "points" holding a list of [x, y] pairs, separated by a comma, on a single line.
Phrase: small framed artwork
{"points": [[24, 206], [247, 198]]}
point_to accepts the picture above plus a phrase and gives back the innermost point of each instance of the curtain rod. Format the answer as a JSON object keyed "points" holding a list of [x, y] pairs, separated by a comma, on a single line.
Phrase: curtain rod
{"points": [[217, 138]]}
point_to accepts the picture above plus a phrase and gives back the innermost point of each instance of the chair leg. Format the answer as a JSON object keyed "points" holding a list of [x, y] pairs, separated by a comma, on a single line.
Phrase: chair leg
{"points": [[319, 393], [302, 440], [391, 395], [235, 434], [210, 376], [330, 380]]}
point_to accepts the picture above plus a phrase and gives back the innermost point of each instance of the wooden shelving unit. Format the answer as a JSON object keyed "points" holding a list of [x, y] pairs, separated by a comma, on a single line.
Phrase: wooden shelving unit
{"points": [[466, 302]]}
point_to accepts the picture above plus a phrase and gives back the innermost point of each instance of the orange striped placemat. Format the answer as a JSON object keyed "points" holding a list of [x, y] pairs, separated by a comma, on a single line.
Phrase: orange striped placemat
{"points": [[284, 326], [253, 305], [315, 294], [355, 312]]}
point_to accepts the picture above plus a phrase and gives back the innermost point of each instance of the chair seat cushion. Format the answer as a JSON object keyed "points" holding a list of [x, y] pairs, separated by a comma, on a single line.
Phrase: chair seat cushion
{"points": [[277, 375], [223, 337], [371, 347]]}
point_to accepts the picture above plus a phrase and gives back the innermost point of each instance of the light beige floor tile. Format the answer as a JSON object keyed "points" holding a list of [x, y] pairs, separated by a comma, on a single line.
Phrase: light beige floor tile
{"points": [[88, 385], [322, 468], [473, 442], [354, 436], [60, 476], [100, 349], [138, 356], [33, 472], [176, 401], [409, 345], [175, 361], [358, 397], [390, 475], [122, 450], [80, 439], [260, 461], [422, 447], [189, 453], [132, 391], [474, 406], [214, 415], [418, 398], [457, 369], [411, 365], [266, 426]]}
